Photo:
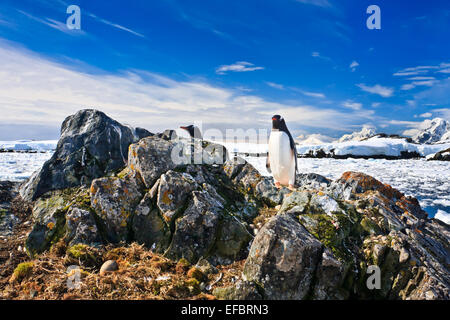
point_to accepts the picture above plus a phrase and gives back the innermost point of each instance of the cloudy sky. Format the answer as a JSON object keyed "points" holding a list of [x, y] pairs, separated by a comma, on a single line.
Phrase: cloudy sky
{"points": [[229, 64]]}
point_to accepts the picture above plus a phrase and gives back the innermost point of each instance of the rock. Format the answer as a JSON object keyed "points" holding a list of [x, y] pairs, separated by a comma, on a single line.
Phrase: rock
{"points": [[404, 255], [149, 227], [109, 266], [173, 190], [82, 228], [267, 191], [196, 229], [242, 290], [295, 203], [114, 201], [150, 158], [232, 238], [443, 155], [141, 133], [330, 275], [49, 220], [91, 146], [311, 181], [283, 259]]}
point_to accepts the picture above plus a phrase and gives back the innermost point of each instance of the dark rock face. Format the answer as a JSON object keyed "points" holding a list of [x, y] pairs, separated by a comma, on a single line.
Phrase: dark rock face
{"points": [[91, 146], [443, 155]]}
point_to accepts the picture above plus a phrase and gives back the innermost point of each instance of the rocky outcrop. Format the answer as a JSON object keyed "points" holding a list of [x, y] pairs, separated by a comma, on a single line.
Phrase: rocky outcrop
{"points": [[317, 242], [91, 145], [443, 155]]}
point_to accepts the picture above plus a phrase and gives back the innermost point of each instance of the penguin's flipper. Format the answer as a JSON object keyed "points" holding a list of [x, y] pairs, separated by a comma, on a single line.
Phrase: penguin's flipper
{"points": [[268, 164], [294, 151]]}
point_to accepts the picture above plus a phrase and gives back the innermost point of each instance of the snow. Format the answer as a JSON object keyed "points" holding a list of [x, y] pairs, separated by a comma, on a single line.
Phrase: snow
{"points": [[28, 145], [443, 216], [18, 166], [428, 181], [366, 132]]}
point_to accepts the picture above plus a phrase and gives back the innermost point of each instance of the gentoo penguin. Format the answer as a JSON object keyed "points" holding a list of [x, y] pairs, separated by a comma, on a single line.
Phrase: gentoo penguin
{"points": [[194, 132], [282, 157]]}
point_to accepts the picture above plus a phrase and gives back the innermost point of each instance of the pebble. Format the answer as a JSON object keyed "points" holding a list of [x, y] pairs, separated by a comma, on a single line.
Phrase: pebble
{"points": [[108, 266]]}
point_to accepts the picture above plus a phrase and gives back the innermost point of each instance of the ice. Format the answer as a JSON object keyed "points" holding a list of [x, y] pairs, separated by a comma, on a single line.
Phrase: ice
{"points": [[18, 166], [443, 216], [29, 145]]}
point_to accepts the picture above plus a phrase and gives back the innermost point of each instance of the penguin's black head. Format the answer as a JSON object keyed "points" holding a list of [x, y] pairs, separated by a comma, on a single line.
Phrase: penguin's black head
{"points": [[194, 132], [277, 122]]}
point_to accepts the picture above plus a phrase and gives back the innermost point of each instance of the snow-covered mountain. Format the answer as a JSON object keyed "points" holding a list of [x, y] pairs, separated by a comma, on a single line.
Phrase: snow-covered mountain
{"points": [[313, 139], [432, 131], [365, 133]]}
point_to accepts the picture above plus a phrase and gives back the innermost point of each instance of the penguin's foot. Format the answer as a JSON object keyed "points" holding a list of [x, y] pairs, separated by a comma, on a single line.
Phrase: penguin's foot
{"points": [[291, 187], [278, 185]]}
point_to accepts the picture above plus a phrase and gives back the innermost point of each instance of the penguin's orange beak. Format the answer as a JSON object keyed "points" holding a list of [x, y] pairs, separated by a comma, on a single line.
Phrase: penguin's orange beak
{"points": [[185, 128], [273, 119]]}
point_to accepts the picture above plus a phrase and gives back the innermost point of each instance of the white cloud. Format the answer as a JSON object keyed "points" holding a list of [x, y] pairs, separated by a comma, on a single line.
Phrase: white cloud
{"points": [[311, 94], [115, 25], [275, 85], [352, 105], [240, 66], [412, 85], [376, 104], [445, 70], [37, 91], [421, 78], [353, 66], [377, 89], [425, 115]]}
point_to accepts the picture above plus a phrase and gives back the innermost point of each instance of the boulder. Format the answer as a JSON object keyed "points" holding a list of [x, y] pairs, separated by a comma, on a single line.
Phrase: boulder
{"points": [[114, 200], [196, 230], [149, 227], [82, 228], [173, 190], [283, 259], [91, 146]]}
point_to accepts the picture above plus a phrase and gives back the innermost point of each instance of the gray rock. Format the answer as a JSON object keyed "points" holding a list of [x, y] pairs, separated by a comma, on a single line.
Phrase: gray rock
{"points": [[149, 227], [330, 276], [242, 290], [283, 259], [267, 191], [195, 231], [115, 200], [91, 146], [174, 188], [81, 228]]}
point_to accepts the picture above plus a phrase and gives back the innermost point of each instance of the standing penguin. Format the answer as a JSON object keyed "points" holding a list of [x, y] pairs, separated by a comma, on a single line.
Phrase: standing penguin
{"points": [[282, 157]]}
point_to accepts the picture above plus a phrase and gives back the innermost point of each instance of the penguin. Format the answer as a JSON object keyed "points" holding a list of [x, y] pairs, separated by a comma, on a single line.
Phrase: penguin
{"points": [[282, 157], [194, 132]]}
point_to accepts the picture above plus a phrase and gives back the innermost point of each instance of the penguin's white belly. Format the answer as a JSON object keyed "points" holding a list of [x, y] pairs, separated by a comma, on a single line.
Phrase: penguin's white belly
{"points": [[281, 158]]}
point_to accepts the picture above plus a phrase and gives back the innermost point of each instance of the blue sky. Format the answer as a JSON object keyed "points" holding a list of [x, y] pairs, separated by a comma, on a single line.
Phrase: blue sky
{"points": [[231, 64]]}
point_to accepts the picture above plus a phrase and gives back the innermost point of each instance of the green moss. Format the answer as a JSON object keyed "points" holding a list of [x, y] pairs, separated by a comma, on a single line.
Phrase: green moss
{"points": [[84, 254], [23, 270], [196, 273]]}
